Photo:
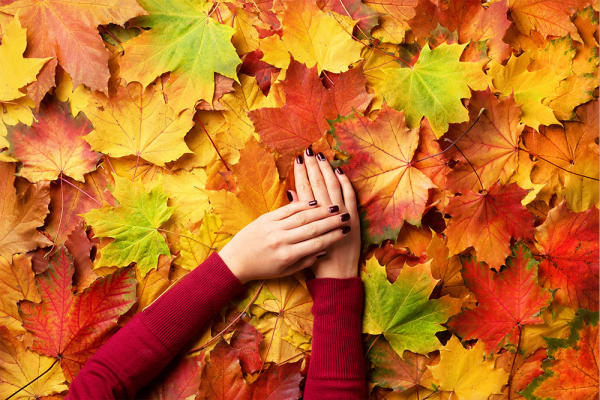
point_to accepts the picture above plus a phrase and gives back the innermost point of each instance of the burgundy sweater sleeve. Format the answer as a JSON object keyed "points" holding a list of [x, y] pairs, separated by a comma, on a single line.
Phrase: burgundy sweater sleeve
{"points": [[145, 345], [336, 368]]}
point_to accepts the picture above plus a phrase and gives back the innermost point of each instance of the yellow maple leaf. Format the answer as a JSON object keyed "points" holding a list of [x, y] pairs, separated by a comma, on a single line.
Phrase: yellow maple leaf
{"points": [[78, 97], [557, 323], [316, 37], [137, 121], [530, 88], [393, 21], [195, 246], [465, 372], [16, 71], [185, 190], [20, 366]]}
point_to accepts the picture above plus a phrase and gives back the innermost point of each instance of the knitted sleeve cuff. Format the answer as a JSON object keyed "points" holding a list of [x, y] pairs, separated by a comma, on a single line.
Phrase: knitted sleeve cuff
{"points": [[337, 344]]}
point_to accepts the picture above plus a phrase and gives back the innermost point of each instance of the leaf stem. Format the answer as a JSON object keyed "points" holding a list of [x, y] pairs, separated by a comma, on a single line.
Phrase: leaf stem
{"points": [[81, 190], [557, 166], [512, 368], [476, 174], [187, 237]]}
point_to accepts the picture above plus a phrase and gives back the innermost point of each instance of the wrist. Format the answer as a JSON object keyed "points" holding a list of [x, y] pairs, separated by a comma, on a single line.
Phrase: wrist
{"points": [[234, 264]]}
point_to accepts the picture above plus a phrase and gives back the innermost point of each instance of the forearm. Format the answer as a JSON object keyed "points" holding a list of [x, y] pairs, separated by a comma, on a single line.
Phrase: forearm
{"points": [[336, 367], [147, 343]]}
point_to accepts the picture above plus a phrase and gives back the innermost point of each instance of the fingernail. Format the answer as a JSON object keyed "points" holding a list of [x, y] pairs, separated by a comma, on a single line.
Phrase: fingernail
{"points": [[312, 203], [344, 217], [321, 255], [320, 156], [309, 152], [334, 209], [289, 195], [300, 160], [345, 229], [339, 171]]}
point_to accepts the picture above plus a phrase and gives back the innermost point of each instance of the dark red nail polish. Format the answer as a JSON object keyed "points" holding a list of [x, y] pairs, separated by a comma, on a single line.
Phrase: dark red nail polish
{"points": [[345, 230], [312, 203], [320, 156], [300, 160], [309, 152], [344, 217], [289, 195], [334, 209], [339, 171], [321, 255]]}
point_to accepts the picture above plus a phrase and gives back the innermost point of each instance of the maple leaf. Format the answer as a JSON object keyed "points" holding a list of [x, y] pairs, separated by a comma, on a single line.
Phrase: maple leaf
{"points": [[529, 88], [72, 328], [18, 283], [71, 198], [134, 226], [402, 311], [470, 20], [487, 221], [524, 371], [506, 301], [16, 71], [568, 242], [52, 147], [491, 146], [567, 148], [71, 37], [557, 322], [572, 368], [80, 247], [291, 302], [388, 187], [314, 37], [222, 378], [434, 165], [150, 287], [20, 367], [186, 195], [466, 373], [400, 374], [182, 40], [433, 87], [259, 190], [22, 209], [137, 121], [303, 119], [548, 17]]}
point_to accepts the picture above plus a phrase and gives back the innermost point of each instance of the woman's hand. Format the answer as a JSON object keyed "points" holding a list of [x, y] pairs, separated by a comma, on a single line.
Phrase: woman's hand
{"points": [[283, 241], [315, 180]]}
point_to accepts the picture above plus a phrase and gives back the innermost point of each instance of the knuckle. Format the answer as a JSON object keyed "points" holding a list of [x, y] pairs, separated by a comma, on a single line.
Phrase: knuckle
{"points": [[318, 184], [300, 218], [302, 186], [318, 243], [333, 186], [285, 258], [311, 229]]}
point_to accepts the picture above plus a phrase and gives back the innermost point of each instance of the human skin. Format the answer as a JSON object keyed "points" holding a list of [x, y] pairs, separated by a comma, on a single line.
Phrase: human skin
{"points": [[291, 238]]}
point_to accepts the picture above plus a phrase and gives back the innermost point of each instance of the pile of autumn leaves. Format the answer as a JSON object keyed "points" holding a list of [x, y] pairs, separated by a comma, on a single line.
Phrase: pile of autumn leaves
{"points": [[138, 138]]}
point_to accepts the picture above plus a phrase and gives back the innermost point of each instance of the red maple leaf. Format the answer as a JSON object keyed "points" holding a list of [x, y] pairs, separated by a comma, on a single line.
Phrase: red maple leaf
{"points": [[73, 327], [506, 300], [568, 242]]}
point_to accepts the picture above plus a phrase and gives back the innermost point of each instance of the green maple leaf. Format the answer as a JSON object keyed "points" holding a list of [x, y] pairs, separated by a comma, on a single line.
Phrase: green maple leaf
{"points": [[402, 311], [433, 87], [134, 226], [182, 40]]}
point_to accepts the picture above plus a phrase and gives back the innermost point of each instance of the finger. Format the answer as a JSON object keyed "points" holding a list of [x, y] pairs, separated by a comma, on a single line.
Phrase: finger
{"points": [[301, 178], [316, 228], [315, 177], [304, 262], [319, 243], [331, 182], [304, 217], [291, 209], [348, 192]]}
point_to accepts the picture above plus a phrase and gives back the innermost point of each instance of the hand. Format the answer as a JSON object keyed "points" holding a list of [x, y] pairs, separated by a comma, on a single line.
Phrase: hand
{"points": [[316, 180], [283, 241]]}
